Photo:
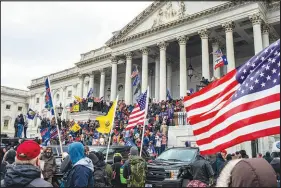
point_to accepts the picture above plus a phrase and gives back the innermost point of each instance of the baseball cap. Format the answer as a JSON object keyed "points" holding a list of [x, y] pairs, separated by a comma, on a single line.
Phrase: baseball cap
{"points": [[28, 150]]}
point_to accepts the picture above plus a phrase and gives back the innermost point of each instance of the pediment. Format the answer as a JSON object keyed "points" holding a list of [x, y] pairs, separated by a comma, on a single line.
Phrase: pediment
{"points": [[163, 12]]}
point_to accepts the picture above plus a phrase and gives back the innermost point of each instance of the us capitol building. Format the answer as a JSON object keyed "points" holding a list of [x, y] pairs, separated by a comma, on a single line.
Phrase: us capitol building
{"points": [[163, 41]]}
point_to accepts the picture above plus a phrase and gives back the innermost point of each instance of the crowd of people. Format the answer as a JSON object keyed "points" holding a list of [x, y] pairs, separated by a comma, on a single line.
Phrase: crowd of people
{"points": [[30, 165], [160, 116]]}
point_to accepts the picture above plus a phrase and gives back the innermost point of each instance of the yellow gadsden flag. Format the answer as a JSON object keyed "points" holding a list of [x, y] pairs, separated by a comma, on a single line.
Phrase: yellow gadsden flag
{"points": [[79, 99], [107, 121], [75, 127]]}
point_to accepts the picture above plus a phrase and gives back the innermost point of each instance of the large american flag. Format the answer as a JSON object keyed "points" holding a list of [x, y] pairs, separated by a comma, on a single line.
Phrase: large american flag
{"points": [[241, 106], [137, 116]]}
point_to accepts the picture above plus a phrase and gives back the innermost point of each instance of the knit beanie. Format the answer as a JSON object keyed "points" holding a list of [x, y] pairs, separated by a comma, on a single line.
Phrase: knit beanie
{"points": [[134, 151]]}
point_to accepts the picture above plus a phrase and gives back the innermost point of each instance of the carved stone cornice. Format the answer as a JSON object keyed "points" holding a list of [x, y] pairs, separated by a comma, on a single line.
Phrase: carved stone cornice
{"points": [[119, 39], [92, 60], [204, 33], [162, 45], [256, 19], [144, 50], [129, 55], [265, 29], [228, 26], [182, 40]]}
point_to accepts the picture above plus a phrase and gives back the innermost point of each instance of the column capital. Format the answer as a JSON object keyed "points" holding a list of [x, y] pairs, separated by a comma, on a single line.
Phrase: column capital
{"points": [[228, 26], [129, 55], [81, 76], [256, 18], [265, 29], [163, 45], [204, 33], [144, 50], [114, 59], [155, 56], [102, 71], [182, 39], [215, 41]]}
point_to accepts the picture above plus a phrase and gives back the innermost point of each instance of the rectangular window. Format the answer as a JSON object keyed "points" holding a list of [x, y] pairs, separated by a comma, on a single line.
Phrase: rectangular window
{"points": [[6, 124], [8, 107], [20, 108], [37, 100], [69, 94]]}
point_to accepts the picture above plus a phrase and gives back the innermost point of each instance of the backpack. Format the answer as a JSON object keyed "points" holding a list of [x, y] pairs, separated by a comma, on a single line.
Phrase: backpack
{"points": [[100, 177], [138, 169]]}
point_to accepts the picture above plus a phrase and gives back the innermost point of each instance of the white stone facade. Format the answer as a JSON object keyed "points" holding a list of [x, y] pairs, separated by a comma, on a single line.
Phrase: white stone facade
{"points": [[163, 40]]}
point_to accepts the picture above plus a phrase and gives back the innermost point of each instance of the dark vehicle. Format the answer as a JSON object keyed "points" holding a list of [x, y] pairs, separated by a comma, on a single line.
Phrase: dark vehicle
{"points": [[172, 160]]}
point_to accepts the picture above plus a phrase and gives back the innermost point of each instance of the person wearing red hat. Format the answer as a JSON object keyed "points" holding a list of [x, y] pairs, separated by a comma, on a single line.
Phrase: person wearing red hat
{"points": [[25, 172]]}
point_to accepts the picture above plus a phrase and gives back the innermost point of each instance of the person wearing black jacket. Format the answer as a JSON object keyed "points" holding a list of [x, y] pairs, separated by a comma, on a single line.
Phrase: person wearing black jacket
{"points": [[117, 164], [202, 170]]}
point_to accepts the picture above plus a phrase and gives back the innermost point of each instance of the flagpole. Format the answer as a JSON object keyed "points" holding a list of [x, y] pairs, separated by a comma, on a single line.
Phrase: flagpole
{"points": [[55, 114], [146, 108], [107, 151]]}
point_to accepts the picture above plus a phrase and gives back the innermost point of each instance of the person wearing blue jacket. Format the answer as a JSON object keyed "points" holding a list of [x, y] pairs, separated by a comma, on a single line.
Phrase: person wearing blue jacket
{"points": [[81, 173]]}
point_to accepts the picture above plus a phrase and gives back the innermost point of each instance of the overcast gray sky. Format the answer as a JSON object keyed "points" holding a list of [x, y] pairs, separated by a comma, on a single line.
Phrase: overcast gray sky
{"points": [[39, 38]]}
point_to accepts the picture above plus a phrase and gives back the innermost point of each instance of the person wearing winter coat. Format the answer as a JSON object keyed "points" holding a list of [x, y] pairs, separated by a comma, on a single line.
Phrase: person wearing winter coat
{"points": [[8, 158], [81, 173], [49, 164], [116, 166], [267, 157], [202, 171], [25, 172], [219, 164], [103, 171], [255, 172]]}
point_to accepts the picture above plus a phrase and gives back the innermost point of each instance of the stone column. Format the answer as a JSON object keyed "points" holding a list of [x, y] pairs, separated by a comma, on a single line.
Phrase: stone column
{"points": [[215, 47], [169, 75], [113, 79], [229, 26], [256, 21], [102, 82], [183, 77], [163, 76], [75, 87], [92, 80], [61, 96], [81, 84], [205, 53], [86, 89], [144, 77], [157, 76], [128, 79], [265, 36]]}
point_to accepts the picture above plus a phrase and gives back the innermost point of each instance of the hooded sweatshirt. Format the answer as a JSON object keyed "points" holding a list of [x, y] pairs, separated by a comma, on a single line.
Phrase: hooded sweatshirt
{"points": [[255, 172], [23, 176], [81, 174]]}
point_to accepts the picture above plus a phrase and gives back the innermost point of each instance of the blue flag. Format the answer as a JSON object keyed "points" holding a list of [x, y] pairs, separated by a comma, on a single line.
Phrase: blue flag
{"points": [[48, 98], [136, 80], [90, 93], [46, 135], [169, 97], [31, 114], [130, 143]]}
